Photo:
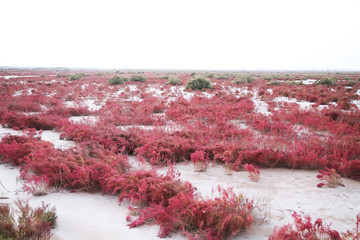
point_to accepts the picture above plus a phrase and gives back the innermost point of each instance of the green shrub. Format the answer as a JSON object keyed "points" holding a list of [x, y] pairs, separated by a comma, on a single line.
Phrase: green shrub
{"points": [[61, 75], [350, 83], [267, 78], [293, 83], [174, 81], [222, 76], [165, 77], [117, 80], [76, 76], [210, 75], [274, 83], [328, 81], [137, 78], [198, 83], [243, 78]]}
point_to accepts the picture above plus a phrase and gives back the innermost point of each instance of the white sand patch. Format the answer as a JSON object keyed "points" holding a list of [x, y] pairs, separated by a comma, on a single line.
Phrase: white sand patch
{"points": [[18, 93], [169, 128], [30, 113], [84, 119], [23, 92], [207, 95], [241, 124], [133, 98], [143, 127], [302, 104], [84, 86], [16, 76], [69, 104], [6, 131], [54, 138], [187, 95], [309, 81], [237, 91], [260, 106], [92, 105], [356, 102], [46, 135], [155, 90], [132, 88], [52, 81], [358, 92], [269, 90], [321, 107], [302, 131]]}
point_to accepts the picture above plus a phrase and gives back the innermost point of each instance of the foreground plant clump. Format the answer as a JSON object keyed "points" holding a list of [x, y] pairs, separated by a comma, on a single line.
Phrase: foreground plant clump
{"points": [[303, 228], [173, 205], [26, 222], [162, 199]]}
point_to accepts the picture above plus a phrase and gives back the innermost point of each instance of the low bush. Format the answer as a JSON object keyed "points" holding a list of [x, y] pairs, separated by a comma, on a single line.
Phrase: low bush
{"points": [[198, 83], [220, 218], [331, 177], [222, 76], [328, 81], [294, 83], [76, 76], [253, 170], [274, 83], [146, 187], [137, 78], [174, 80], [117, 80], [200, 161], [243, 78], [26, 222]]}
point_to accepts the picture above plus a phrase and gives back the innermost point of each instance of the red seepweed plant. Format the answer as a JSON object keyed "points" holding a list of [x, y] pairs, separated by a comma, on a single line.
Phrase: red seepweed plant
{"points": [[253, 170], [331, 177], [26, 222], [220, 218], [34, 184], [200, 161], [303, 228]]}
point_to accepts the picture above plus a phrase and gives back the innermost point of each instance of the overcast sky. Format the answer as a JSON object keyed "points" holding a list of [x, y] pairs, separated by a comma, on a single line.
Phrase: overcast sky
{"points": [[186, 34]]}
